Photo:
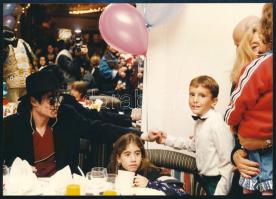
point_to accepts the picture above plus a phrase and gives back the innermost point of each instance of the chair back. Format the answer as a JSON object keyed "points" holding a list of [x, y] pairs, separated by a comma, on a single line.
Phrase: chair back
{"points": [[180, 162]]}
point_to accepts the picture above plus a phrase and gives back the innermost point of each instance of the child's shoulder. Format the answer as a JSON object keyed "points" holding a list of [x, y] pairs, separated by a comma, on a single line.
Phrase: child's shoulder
{"points": [[216, 122], [213, 114], [215, 118]]}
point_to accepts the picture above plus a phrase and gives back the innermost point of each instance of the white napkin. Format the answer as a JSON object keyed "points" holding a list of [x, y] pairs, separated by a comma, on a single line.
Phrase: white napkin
{"points": [[21, 180], [81, 180], [59, 181]]}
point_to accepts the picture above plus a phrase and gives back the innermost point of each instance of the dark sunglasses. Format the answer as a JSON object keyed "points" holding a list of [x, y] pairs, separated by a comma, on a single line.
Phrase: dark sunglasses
{"points": [[55, 98]]}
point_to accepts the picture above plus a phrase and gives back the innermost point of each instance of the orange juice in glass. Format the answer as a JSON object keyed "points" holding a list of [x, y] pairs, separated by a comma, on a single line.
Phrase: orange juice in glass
{"points": [[110, 193], [73, 190]]}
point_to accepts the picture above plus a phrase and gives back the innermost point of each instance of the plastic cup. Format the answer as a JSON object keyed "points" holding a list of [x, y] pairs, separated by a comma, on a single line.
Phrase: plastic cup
{"points": [[110, 193], [73, 190]]}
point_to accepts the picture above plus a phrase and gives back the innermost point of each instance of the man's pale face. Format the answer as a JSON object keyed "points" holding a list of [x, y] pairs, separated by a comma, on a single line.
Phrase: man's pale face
{"points": [[201, 100], [49, 105]]}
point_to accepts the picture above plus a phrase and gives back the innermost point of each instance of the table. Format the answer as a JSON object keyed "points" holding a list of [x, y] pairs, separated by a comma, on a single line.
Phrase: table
{"points": [[43, 188]]}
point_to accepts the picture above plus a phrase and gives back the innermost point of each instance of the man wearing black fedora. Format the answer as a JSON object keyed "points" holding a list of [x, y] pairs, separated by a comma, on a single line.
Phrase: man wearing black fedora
{"points": [[46, 132], [104, 115]]}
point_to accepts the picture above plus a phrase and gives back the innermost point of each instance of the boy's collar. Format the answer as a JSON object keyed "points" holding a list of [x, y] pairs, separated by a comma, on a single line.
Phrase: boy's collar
{"points": [[204, 116]]}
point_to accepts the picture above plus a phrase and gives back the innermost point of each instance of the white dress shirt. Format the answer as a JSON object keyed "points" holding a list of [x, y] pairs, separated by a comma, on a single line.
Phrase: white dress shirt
{"points": [[212, 143]]}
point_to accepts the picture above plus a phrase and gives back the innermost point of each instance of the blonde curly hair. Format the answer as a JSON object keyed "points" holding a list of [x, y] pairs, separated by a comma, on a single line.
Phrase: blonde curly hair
{"points": [[245, 53]]}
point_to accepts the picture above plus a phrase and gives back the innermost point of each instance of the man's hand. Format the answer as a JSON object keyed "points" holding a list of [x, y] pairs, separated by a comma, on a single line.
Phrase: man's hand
{"points": [[136, 114], [154, 135], [162, 138], [151, 136], [247, 168], [157, 135]]}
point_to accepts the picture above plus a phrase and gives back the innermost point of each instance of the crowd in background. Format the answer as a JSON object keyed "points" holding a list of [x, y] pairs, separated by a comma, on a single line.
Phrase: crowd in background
{"points": [[98, 68]]}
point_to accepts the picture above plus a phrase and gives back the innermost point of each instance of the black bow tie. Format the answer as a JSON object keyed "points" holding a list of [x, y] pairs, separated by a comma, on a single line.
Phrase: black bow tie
{"points": [[198, 118]]}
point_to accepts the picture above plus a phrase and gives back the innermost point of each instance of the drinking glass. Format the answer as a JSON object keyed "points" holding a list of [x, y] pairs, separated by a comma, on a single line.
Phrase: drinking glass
{"points": [[73, 190], [96, 180], [111, 177], [110, 186], [99, 172]]}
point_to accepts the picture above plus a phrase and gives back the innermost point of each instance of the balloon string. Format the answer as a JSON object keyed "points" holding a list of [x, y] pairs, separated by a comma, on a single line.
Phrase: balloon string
{"points": [[147, 97], [144, 14], [144, 9]]}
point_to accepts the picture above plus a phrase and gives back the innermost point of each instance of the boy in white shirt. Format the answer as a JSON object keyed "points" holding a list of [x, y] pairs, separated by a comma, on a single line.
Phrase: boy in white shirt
{"points": [[212, 140]]}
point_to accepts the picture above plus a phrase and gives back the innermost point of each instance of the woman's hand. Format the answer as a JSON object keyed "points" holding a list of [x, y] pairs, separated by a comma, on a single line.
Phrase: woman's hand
{"points": [[247, 168], [140, 181]]}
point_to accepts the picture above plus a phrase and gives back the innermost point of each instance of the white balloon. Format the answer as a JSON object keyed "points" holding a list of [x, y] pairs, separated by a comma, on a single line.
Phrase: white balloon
{"points": [[157, 14]]}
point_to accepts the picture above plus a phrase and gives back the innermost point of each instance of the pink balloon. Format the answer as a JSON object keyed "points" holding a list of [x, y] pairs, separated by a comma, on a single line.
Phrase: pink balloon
{"points": [[123, 28]]}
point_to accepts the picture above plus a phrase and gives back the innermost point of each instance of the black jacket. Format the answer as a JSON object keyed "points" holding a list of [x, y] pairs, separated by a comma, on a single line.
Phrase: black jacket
{"points": [[104, 115], [17, 139]]}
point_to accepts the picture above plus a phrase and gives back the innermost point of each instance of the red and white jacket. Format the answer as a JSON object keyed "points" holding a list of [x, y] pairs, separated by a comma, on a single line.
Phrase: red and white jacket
{"points": [[251, 101]]}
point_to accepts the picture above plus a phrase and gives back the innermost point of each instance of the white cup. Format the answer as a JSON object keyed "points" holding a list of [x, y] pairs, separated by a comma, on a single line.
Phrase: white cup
{"points": [[124, 180]]}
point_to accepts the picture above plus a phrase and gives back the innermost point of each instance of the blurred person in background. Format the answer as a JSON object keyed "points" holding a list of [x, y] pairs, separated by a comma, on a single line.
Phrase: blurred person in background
{"points": [[79, 90], [51, 55], [43, 62], [19, 62], [70, 63], [111, 71]]}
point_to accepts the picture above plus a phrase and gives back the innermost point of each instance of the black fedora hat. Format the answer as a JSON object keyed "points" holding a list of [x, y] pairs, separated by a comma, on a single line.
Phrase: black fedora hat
{"points": [[57, 71], [41, 82]]}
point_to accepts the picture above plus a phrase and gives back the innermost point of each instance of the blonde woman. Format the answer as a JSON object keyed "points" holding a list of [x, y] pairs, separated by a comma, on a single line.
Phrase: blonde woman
{"points": [[250, 47], [251, 108]]}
